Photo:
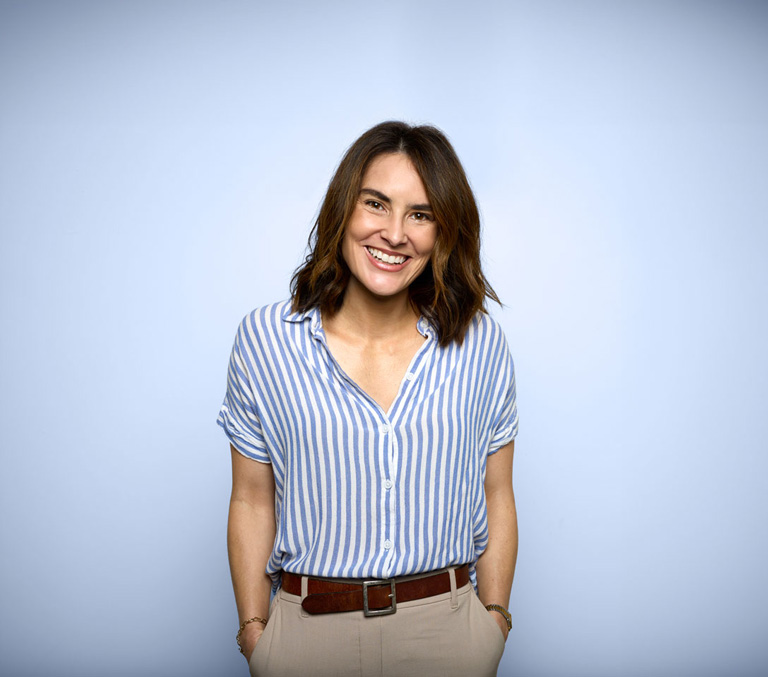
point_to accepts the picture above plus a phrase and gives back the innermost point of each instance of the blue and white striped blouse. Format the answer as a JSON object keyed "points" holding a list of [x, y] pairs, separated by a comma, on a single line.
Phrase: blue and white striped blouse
{"points": [[360, 492]]}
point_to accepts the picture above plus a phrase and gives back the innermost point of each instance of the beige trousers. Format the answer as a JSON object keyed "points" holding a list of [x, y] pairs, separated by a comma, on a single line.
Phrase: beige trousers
{"points": [[445, 635]]}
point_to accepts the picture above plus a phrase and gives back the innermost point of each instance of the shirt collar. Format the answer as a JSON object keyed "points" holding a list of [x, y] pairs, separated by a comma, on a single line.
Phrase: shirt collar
{"points": [[425, 328], [313, 315]]}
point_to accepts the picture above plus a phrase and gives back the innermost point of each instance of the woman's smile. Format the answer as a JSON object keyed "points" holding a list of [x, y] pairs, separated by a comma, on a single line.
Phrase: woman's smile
{"points": [[387, 260]]}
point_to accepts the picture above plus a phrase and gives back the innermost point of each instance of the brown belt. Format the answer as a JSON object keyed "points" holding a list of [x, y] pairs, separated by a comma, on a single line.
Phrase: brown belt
{"points": [[374, 597]]}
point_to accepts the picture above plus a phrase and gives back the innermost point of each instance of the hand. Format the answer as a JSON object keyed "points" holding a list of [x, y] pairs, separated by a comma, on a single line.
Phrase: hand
{"points": [[250, 638], [501, 622]]}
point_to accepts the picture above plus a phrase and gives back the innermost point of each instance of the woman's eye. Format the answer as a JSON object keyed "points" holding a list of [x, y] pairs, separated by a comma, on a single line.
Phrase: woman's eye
{"points": [[374, 204], [421, 216]]}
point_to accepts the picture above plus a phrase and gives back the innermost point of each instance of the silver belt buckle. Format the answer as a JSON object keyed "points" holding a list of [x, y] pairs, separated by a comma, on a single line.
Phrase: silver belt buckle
{"points": [[392, 596]]}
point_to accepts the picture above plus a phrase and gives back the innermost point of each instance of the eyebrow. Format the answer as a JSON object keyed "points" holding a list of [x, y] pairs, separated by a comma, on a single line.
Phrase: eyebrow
{"points": [[425, 207]]}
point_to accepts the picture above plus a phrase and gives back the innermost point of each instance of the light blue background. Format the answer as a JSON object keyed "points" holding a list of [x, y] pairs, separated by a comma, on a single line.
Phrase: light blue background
{"points": [[160, 167]]}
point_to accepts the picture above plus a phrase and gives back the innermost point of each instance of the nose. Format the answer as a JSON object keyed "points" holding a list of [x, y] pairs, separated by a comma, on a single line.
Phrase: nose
{"points": [[393, 231]]}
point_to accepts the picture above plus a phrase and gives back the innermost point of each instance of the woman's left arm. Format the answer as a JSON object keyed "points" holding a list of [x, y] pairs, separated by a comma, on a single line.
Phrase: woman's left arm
{"points": [[496, 566]]}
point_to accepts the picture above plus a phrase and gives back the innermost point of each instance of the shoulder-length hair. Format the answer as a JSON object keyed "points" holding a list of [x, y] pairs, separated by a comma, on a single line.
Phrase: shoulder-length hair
{"points": [[452, 288]]}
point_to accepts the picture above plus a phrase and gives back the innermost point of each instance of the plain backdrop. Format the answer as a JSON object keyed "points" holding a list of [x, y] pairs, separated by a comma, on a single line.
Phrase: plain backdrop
{"points": [[161, 164]]}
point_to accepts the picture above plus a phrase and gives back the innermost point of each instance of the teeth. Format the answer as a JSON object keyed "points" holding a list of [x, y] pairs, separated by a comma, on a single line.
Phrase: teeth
{"points": [[386, 258]]}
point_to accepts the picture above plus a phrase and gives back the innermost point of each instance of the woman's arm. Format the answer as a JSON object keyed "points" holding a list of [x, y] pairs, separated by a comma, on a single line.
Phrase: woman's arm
{"points": [[496, 566], [250, 537]]}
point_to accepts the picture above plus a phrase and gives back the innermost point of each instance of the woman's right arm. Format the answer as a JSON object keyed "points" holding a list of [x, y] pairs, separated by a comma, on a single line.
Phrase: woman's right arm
{"points": [[250, 537]]}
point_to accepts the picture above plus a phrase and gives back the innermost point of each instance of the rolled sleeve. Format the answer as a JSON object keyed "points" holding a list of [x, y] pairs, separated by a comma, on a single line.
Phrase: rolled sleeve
{"points": [[238, 415], [505, 421]]}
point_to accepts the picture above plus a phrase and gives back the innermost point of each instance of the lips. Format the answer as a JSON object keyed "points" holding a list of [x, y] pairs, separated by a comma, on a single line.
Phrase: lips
{"points": [[386, 257], [385, 260]]}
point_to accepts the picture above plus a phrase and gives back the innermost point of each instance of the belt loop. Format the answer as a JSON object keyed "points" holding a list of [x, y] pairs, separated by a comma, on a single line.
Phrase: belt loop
{"points": [[304, 590], [454, 594]]}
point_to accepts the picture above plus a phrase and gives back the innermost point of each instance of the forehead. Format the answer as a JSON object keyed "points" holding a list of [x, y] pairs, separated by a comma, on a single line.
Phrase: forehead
{"points": [[395, 172]]}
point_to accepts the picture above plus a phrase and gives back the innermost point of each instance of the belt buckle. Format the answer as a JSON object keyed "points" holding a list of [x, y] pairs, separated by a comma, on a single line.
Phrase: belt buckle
{"points": [[392, 596]]}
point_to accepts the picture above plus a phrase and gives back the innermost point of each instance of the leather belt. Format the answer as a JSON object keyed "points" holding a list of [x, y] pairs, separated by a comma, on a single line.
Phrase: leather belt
{"points": [[375, 597]]}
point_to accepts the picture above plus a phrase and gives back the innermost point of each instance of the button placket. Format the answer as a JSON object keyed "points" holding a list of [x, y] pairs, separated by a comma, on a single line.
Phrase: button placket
{"points": [[388, 444], [391, 496]]}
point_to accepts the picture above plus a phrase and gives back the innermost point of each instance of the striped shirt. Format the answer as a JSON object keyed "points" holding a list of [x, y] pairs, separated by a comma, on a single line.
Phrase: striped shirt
{"points": [[360, 492]]}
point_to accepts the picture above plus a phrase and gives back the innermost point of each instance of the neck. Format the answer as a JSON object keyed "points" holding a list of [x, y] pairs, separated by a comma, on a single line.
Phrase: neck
{"points": [[373, 317]]}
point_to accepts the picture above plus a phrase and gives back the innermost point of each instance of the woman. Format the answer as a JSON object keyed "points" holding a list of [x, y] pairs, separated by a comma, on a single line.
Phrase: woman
{"points": [[371, 422]]}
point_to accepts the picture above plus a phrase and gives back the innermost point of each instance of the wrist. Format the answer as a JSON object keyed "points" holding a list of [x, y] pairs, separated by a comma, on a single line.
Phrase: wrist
{"points": [[250, 629], [503, 612]]}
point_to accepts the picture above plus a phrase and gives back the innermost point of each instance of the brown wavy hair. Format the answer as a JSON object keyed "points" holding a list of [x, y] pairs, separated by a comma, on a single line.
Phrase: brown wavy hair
{"points": [[452, 287]]}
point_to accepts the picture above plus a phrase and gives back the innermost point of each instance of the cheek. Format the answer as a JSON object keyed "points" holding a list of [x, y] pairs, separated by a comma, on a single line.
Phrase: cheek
{"points": [[346, 247], [426, 243]]}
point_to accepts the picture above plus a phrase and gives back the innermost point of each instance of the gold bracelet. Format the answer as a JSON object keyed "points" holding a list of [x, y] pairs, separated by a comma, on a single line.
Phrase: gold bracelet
{"points": [[502, 611], [255, 619]]}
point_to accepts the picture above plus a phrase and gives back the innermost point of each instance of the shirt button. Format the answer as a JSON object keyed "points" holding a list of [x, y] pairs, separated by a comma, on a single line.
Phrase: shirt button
{"points": [[387, 545], [383, 428], [387, 484], [410, 376]]}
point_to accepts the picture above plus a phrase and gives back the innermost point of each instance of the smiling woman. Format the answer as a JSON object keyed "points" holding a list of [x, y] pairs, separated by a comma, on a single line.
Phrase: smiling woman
{"points": [[371, 422]]}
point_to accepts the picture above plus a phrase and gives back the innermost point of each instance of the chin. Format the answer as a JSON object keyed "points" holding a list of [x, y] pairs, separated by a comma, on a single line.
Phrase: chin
{"points": [[382, 285], [384, 293]]}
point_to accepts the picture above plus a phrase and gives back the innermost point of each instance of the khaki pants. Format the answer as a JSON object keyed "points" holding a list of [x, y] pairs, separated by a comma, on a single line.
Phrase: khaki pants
{"points": [[445, 635]]}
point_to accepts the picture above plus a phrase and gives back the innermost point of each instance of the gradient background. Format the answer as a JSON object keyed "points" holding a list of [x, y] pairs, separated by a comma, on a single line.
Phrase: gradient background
{"points": [[160, 167]]}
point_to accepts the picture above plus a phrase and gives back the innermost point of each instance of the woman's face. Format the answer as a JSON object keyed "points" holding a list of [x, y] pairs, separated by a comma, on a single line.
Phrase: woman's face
{"points": [[392, 231]]}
